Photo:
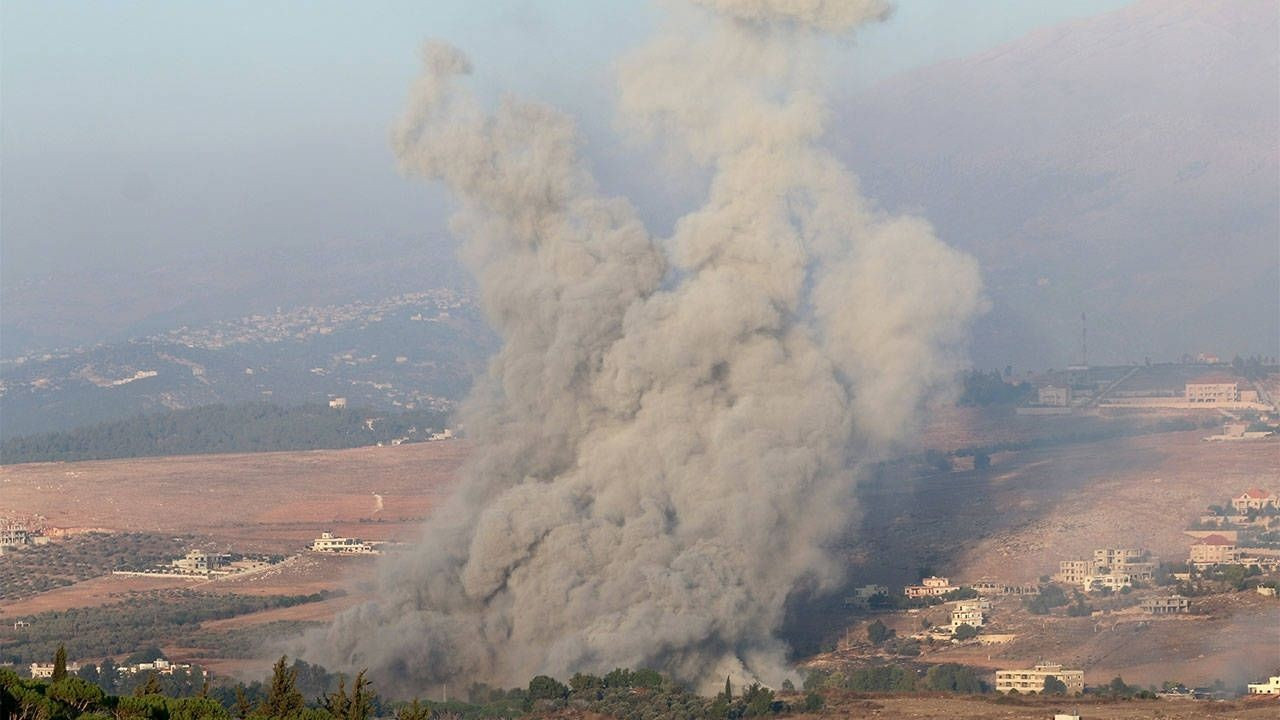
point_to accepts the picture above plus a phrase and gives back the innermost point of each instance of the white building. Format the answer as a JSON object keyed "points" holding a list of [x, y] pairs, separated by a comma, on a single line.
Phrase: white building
{"points": [[328, 543], [1270, 687], [338, 403], [1054, 396], [44, 671], [969, 612], [930, 587], [1217, 389], [1025, 681], [199, 562], [159, 666]]}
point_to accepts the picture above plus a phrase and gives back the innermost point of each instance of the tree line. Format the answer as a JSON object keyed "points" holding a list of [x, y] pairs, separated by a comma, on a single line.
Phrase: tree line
{"points": [[251, 427]]}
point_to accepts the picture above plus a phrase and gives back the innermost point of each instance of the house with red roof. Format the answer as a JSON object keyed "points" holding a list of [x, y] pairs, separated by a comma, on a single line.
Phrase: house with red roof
{"points": [[1255, 499], [1213, 550]]}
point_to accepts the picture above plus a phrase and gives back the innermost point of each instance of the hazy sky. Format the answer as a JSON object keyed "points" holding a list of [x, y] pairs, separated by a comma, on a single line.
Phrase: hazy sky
{"points": [[135, 129]]}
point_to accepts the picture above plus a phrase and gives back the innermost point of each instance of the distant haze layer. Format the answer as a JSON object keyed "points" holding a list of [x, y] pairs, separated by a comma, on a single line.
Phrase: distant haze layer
{"points": [[1122, 166]]}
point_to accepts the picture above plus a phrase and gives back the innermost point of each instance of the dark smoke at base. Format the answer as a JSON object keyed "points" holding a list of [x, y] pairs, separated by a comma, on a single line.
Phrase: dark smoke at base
{"points": [[669, 435]]}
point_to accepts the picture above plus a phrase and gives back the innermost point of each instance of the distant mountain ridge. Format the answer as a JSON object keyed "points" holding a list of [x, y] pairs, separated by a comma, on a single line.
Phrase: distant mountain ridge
{"points": [[416, 351], [1123, 165]]}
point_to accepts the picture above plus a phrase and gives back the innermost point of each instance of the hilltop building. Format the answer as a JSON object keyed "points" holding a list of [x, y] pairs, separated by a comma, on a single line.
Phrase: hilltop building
{"points": [[929, 587], [1213, 550], [329, 543], [1025, 681]]}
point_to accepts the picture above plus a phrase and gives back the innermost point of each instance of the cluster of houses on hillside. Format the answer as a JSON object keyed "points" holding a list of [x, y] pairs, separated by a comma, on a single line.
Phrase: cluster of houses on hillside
{"points": [[159, 666], [1248, 534], [1109, 569]]}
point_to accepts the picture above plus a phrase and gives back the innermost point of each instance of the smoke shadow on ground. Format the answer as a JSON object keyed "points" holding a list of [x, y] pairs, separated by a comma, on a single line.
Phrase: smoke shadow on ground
{"points": [[914, 520]]}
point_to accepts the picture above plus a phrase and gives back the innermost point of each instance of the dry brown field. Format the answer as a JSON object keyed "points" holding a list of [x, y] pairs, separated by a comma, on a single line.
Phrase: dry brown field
{"points": [[258, 502]]}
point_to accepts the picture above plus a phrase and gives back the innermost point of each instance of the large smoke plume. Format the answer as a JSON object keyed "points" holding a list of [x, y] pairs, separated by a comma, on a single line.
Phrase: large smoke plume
{"points": [[670, 432]]}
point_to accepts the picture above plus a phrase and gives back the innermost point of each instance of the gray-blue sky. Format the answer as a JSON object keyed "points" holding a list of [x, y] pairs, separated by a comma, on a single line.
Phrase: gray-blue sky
{"points": [[132, 130]]}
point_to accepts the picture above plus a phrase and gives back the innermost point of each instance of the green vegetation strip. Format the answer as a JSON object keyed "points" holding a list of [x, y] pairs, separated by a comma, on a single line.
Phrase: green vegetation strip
{"points": [[153, 618], [252, 427]]}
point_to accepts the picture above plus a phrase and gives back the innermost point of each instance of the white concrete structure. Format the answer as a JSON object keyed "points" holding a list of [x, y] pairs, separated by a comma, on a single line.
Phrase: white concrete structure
{"points": [[1025, 681], [1214, 390], [329, 543], [929, 587], [44, 671], [1270, 687]]}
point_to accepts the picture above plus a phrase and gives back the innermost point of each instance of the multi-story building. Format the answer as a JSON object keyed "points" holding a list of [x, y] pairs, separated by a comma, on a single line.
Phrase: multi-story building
{"points": [[1170, 605], [1213, 389], [1111, 568], [1074, 572], [1025, 681], [1255, 499], [1108, 558], [929, 587], [969, 612], [199, 562], [1270, 687], [1213, 550]]}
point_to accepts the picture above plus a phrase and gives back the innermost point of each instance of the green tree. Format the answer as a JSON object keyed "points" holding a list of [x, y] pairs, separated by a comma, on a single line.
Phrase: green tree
{"points": [[362, 694], [76, 692], [414, 711], [59, 664], [758, 700], [813, 702], [728, 689], [337, 703], [580, 682], [952, 677], [283, 698], [965, 631], [878, 633], [1054, 686], [545, 687]]}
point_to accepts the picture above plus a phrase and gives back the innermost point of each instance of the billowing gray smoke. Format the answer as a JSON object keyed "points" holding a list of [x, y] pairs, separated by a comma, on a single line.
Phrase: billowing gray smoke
{"points": [[670, 432]]}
